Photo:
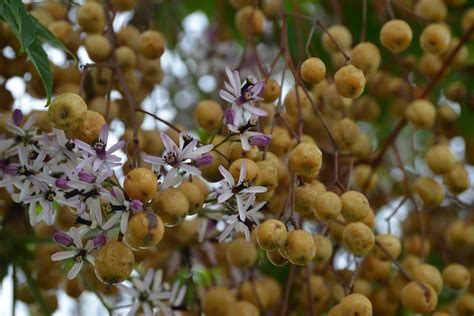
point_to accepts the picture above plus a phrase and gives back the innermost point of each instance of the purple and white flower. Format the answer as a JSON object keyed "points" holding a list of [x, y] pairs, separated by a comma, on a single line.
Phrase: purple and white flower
{"points": [[97, 155], [59, 147], [235, 223], [150, 293], [185, 157], [27, 133], [242, 190], [242, 95], [81, 252], [247, 136], [24, 178], [120, 207], [46, 196], [86, 191]]}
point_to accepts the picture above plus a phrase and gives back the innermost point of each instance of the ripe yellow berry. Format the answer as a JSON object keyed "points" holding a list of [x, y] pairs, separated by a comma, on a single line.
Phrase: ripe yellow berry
{"points": [[323, 248], [73, 288], [114, 262], [341, 35], [276, 258], [456, 91], [99, 105], [419, 297], [91, 17], [356, 305], [456, 277], [430, 64], [281, 142], [269, 173], [89, 130], [145, 230], [299, 247], [435, 38], [141, 184], [194, 196], [350, 81], [241, 253], [254, 292], [249, 20], [320, 293], [151, 44], [313, 70], [306, 159], [365, 178], [355, 206], [98, 47], [128, 36], [271, 8], [429, 190], [126, 58], [252, 170], [421, 113], [217, 301], [390, 244], [271, 235], [297, 98], [396, 35], [358, 238], [366, 57], [211, 172], [429, 274], [271, 91], [152, 142], [460, 57], [346, 133], [467, 20], [431, 10], [208, 115], [304, 198], [440, 159], [465, 305], [327, 206], [67, 111], [457, 179], [172, 206], [63, 30]]}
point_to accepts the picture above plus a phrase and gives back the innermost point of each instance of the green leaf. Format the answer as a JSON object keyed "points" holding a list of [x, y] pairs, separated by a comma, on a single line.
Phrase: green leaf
{"points": [[39, 58], [32, 35]]}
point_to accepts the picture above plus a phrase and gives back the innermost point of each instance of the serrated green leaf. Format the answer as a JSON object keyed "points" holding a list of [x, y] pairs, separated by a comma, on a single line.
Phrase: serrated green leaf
{"points": [[39, 58], [32, 35], [46, 36]]}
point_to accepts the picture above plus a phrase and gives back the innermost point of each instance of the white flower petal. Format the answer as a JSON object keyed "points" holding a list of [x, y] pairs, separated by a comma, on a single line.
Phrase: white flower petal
{"points": [[62, 255], [76, 268]]}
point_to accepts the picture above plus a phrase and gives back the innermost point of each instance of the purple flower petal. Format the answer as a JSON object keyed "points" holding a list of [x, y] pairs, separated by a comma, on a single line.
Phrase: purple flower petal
{"points": [[63, 239], [260, 140], [99, 240], [204, 160], [61, 183], [136, 205], [17, 117], [86, 177], [229, 116], [104, 133]]}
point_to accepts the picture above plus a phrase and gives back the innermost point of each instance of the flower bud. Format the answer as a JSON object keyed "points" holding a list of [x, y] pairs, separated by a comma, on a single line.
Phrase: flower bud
{"points": [[62, 239], [260, 140]]}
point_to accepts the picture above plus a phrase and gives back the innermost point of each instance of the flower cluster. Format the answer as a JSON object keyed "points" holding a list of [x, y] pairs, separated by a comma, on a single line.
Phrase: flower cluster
{"points": [[46, 172], [242, 116], [151, 293]]}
